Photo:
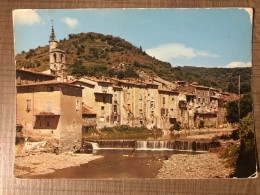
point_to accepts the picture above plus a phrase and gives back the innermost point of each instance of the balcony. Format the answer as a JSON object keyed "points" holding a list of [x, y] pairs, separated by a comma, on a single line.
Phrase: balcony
{"points": [[45, 111]]}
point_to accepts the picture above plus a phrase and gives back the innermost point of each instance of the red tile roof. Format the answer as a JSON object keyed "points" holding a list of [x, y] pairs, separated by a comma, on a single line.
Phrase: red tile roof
{"points": [[51, 82], [86, 110], [34, 72]]}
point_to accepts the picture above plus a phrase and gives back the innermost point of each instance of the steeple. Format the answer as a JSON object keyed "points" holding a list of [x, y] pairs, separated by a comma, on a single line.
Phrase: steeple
{"points": [[52, 37], [57, 58]]}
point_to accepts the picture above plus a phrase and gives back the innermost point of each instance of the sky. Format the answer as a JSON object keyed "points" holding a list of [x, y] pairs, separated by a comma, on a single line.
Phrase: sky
{"points": [[183, 37]]}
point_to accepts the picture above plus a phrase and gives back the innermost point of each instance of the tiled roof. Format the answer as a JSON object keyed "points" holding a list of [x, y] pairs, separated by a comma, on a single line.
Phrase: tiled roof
{"points": [[116, 86], [86, 110], [195, 83], [97, 80], [34, 72], [75, 81], [51, 82], [168, 90], [231, 97]]}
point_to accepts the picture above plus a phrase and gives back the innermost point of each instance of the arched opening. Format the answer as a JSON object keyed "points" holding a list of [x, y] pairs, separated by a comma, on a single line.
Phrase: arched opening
{"points": [[54, 56]]}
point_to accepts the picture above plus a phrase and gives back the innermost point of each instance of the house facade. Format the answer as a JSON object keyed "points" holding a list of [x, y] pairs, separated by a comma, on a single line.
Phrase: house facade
{"points": [[51, 111]]}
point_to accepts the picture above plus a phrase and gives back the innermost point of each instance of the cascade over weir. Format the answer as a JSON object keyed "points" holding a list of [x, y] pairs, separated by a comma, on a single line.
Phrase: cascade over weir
{"points": [[149, 145]]}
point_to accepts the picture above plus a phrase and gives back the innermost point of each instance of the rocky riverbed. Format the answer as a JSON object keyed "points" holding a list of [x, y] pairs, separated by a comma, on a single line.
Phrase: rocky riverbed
{"points": [[43, 163], [199, 166]]}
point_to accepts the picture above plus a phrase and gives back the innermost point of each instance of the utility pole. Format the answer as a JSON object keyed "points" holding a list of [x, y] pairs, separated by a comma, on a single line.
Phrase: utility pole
{"points": [[239, 98]]}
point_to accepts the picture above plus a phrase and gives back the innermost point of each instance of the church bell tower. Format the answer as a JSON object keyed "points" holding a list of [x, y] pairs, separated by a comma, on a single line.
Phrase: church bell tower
{"points": [[57, 59]]}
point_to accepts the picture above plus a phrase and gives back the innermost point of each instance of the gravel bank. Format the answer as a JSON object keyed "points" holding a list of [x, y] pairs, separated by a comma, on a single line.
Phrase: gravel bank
{"points": [[199, 166], [44, 163]]}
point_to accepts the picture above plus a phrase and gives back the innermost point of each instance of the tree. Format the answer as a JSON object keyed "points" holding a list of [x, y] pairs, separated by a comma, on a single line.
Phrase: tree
{"points": [[245, 107], [246, 162], [232, 112], [78, 68]]}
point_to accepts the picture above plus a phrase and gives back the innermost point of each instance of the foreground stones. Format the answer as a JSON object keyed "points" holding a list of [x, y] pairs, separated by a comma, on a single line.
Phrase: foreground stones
{"points": [[199, 166], [44, 163]]}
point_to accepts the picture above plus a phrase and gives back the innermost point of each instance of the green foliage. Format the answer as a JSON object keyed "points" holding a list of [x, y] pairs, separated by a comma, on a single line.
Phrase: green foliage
{"points": [[106, 51], [246, 106], [128, 73], [88, 131], [78, 69], [232, 112], [246, 132], [246, 162], [231, 155], [107, 130], [176, 126]]}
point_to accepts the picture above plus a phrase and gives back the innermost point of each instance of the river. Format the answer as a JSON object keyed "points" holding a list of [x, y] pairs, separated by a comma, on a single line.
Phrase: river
{"points": [[117, 164]]}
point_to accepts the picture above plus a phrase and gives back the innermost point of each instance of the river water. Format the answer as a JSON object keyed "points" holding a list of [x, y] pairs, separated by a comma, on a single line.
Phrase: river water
{"points": [[117, 164]]}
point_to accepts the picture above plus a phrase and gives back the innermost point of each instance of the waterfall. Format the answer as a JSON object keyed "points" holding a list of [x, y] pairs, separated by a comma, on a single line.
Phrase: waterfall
{"points": [[152, 145], [95, 146]]}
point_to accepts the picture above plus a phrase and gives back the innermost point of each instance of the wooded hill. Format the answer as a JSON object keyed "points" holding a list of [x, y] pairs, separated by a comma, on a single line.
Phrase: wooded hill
{"points": [[95, 54]]}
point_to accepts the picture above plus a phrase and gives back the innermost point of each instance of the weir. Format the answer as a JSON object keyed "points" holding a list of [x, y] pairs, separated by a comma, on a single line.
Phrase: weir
{"points": [[151, 145]]}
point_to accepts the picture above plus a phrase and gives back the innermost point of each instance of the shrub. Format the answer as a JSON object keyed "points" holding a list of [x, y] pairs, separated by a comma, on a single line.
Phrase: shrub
{"points": [[107, 130], [176, 126], [231, 155]]}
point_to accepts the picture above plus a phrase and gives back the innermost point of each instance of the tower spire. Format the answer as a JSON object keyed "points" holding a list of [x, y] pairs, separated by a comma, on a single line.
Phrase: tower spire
{"points": [[52, 37]]}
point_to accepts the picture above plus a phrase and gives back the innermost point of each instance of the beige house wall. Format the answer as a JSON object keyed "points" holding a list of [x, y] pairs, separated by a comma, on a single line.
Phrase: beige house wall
{"points": [[51, 104], [39, 101], [70, 119]]}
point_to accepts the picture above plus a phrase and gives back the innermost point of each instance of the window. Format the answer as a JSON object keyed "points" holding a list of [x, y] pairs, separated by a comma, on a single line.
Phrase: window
{"points": [[77, 105], [28, 105], [163, 100], [162, 111], [115, 108], [198, 100], [48, 107], [152, 104], [54, 56], [102, 107]]}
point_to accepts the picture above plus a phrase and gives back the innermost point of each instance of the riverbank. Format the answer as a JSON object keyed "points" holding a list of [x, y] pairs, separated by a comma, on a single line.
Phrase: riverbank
{"points": [[199, 166], [43, 163]]}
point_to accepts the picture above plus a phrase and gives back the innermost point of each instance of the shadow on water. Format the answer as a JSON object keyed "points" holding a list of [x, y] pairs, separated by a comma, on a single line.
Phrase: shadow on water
{"points": [[117, 164]]}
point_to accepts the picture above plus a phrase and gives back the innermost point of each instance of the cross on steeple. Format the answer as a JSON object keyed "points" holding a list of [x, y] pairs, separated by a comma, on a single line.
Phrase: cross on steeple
{"points": [[52, 37]]}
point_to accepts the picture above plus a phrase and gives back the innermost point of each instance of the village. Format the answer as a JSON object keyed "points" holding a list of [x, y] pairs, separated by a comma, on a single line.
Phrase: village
{"points": [[54, 106]]}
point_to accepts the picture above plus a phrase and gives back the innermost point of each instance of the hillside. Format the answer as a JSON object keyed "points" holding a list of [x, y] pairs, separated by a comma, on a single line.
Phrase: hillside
{"points": [[96, 54]]}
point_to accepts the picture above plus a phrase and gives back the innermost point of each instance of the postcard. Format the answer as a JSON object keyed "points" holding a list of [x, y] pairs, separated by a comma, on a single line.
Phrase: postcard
{"points": [[134, 93]]}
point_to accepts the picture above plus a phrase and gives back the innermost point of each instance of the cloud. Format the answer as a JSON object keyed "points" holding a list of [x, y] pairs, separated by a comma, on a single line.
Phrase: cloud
{"points": [[71, 22], [26, 17], [173, 50], [238, 64]]}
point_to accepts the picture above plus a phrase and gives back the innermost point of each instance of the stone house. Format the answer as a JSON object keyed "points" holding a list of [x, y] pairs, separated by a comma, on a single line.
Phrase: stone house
{"points": [[88, 119], [51, 111], [26, 77], [97, 95], [168, 105]]}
